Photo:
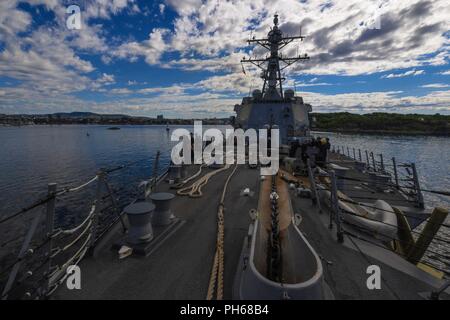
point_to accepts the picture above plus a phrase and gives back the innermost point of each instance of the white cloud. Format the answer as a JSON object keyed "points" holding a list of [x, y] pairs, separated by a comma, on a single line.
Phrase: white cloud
{"points": [[151, 49], [209, 35], [338, 41], [436, 85], [413, 72]]}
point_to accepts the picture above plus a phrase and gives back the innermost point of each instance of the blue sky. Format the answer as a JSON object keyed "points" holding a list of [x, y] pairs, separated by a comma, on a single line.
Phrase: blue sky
{"points": [[181, 58]]}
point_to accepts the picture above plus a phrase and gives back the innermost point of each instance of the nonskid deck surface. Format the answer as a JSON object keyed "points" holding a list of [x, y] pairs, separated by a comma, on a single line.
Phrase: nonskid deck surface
{"points": [[180, 268]]}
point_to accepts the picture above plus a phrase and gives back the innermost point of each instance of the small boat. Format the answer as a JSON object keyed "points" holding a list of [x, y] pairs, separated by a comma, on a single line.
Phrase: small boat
{"points": [[113, 128]]}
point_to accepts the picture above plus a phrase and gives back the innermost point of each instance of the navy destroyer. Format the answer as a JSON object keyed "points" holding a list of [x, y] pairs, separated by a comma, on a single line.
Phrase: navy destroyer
{"points": [[331, 224]]}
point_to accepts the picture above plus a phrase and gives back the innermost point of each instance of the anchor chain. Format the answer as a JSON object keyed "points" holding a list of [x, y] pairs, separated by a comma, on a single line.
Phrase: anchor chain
{"points": [[274, 250]]}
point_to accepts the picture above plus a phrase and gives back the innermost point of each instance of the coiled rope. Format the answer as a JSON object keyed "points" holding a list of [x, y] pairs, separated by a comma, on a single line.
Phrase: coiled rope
{"points": [[216, 277], [195, 189], [185, 181]]}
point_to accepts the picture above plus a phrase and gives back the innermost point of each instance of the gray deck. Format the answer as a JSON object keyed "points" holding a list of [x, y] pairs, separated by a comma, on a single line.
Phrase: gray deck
{"points": [[181, 266]]}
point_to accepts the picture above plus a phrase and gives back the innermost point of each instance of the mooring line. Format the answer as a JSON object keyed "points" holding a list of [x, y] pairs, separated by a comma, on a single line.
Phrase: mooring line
{"points": [[216, 277]]}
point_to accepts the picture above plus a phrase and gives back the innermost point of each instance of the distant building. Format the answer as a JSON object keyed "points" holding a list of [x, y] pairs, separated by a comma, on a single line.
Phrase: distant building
{"points": [[160, 117]]}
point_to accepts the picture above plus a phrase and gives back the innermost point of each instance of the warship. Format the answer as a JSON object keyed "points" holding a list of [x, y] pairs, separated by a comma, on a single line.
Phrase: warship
{"points": [[330, 224]]}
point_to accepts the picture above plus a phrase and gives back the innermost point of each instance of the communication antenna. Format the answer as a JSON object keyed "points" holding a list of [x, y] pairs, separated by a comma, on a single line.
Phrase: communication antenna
{"points": [[271, 64]]}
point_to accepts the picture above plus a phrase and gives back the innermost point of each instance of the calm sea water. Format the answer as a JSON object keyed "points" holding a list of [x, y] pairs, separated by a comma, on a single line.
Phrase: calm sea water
{"points": [[33, 156]]}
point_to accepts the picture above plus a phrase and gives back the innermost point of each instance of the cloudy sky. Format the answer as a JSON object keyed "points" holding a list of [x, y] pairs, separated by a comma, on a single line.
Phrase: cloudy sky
{"points": [[181, 58]]}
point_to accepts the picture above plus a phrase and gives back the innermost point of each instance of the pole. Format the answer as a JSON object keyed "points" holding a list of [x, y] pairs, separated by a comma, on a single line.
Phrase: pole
{"points": [[314, 193], [373, 161], [49, 228], [367, 159], [99, 200], [382, 162], [420, 201], [394, 163], [335, 204]]}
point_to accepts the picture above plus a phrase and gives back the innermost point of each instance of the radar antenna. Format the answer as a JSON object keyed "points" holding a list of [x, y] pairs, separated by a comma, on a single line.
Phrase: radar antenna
{"points": [[270, 65]]}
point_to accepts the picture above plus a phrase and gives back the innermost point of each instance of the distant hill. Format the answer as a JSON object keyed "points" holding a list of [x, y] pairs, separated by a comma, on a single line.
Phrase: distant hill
{"points": [[88, 115], [96, 118], [394, 123], [377, 123]]}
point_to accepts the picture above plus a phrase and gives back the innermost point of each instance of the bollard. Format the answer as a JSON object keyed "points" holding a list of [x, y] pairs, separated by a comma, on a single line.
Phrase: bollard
{"points": [[140, 216], [162, 215], [174, 172]]}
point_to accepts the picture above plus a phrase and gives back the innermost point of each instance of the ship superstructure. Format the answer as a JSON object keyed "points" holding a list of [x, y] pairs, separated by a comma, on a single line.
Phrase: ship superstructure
{"points": [[274, 106]]}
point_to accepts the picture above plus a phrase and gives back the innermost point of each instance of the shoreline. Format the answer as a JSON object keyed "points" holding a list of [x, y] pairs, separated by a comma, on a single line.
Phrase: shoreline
{"points": [[344, 131], [385, 132]]}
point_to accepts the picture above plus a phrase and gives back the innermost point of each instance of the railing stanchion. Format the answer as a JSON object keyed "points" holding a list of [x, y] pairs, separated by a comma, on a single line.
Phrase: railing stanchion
{"points": [[98, 203], [314, 194], [154, 177], [335, 206], [419, 195], [49, 229], [354, 154], [360, 156], [382, 162], [394, 164], [367, 159], [373, 161]]}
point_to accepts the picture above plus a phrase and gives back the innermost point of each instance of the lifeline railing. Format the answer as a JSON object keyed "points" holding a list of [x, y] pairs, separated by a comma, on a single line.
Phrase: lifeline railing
{"points": [[410, 249], [403, 176], [62, 247]]}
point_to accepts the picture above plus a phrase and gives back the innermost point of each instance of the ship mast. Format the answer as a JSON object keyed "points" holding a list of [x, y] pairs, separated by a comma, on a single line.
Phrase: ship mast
{"points": [[270, 66]]}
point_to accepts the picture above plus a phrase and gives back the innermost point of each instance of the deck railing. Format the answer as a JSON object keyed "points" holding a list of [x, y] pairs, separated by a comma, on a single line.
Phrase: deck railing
{"points": [[404, 175], [38, 270], [409, 247]]}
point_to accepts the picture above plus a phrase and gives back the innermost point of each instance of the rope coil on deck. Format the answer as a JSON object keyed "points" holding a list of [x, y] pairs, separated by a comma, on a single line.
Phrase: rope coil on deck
{"points": [[195, 189]]}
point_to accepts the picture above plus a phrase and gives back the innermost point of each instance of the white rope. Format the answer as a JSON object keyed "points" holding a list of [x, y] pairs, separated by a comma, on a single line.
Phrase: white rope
{"points": [[193, 176], [62, 279], [81, 252], [72, 231], [195, 189], [79, 236], [83, 185]]}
